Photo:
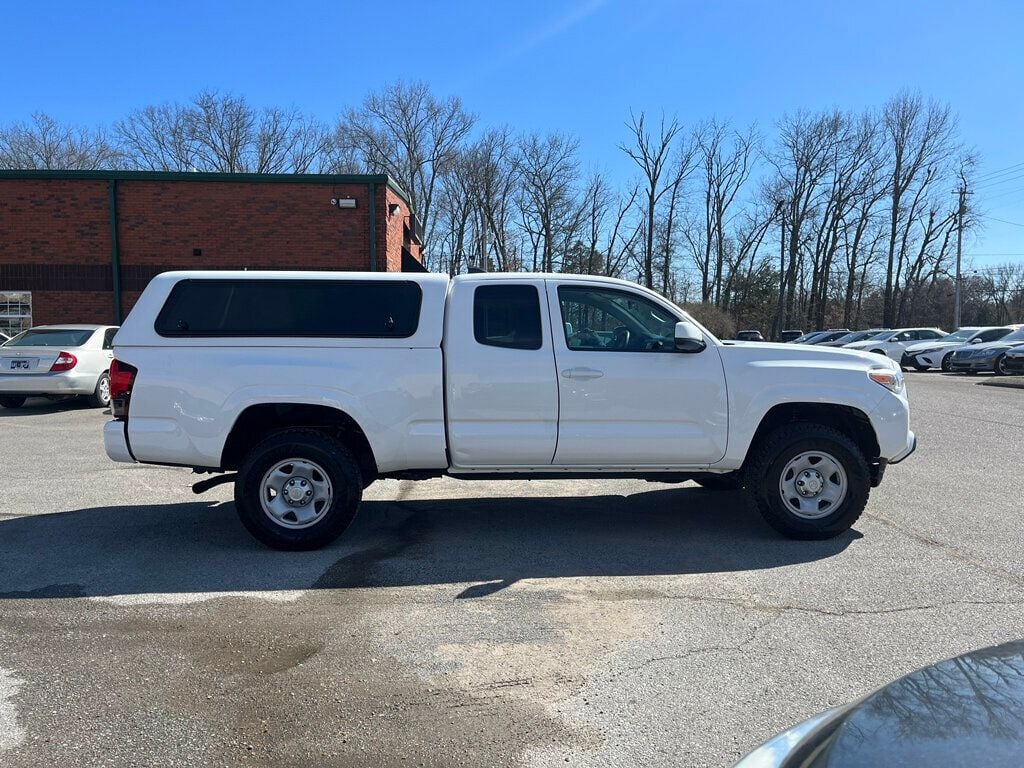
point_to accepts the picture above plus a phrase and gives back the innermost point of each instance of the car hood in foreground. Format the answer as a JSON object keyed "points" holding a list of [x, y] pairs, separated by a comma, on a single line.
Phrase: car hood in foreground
{"points": [[967, 711]]}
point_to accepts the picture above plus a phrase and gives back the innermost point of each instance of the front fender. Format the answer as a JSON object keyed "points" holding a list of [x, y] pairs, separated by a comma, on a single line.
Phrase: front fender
{"points": [[764, 385]]}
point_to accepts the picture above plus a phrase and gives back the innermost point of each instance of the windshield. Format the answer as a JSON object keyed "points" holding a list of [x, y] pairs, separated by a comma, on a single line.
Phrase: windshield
{"points": [[963, 334], [51, 337], [807, 337], [849, 338], [879, 335], [1017, 335]]}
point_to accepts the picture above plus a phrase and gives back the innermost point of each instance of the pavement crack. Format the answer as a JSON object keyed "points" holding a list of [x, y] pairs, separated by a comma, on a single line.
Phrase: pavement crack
{"points": [[949, 550]]}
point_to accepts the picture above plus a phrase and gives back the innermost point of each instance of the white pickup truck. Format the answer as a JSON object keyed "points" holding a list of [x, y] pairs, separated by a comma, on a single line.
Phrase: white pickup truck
{"points": [[305, 387]]}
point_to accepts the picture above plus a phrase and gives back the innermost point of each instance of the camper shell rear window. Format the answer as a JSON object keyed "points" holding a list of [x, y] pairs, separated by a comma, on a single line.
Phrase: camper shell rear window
{"points": [[291, 308]]}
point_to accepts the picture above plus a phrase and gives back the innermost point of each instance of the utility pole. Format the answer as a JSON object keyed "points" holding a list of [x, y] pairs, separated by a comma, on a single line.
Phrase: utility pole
{"points": [[780, 210], [961, 209]]}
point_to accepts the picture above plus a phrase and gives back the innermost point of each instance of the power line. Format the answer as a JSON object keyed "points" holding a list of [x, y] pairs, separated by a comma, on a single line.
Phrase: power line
{"points": [[999, 172], [1004, 221], [997, 182]]}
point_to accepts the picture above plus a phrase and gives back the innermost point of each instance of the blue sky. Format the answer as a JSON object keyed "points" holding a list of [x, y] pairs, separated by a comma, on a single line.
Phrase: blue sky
{"points": [[572, 65]]}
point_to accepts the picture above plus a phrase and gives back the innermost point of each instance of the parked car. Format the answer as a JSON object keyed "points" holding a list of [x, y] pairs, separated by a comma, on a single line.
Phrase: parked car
{"points": [[359, 376], [815, 336], [892, 343], [978, 358], [960, 712], [791, 335], [1013, 362], [937, 354], [831, 336], [852, 336], [57, 361], [749, 336]]}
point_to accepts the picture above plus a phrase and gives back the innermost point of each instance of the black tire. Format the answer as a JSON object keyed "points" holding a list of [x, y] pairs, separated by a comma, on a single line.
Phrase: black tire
{"points": [[338, 465], [770, 458], [100, 398], [946, 360], [12, 401], [732, 481], [998, 369], [920, 368]]}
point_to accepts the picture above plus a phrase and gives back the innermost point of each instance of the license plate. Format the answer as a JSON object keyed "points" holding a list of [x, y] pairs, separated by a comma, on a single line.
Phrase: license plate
{"points": [[20, 364]]}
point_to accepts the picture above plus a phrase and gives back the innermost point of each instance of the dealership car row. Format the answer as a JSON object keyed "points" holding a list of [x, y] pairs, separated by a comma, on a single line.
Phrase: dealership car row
{"points": [[970, 349]]}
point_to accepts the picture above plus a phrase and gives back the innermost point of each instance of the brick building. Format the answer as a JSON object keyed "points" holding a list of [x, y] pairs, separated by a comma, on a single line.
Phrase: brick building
{"points": [[79, 246]]}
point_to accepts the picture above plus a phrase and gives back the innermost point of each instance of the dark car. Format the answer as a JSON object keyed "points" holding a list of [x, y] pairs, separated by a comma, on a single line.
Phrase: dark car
{"points": [[967, 711], [749, 336], [832, 335], [791, 335], [1013, 362], [977, 358]]}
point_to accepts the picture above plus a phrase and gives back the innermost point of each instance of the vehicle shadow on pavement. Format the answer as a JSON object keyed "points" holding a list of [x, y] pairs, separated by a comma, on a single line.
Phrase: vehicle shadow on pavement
{"points": [[41, 406], [489, 543]]}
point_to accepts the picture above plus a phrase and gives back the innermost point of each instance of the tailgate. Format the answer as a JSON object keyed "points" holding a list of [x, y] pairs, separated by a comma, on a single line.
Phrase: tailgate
{"points": [[15, 361]]}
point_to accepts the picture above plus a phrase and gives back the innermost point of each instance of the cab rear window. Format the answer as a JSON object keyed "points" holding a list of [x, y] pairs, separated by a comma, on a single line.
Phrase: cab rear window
{"points": [[322, 308]]}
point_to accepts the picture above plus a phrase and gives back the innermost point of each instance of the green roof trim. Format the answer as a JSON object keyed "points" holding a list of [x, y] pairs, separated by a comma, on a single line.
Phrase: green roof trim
{"points": [[255, 178]]}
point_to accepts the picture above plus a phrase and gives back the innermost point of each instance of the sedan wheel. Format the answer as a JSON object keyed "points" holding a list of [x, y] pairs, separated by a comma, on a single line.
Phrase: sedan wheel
{"points": [[1000, 367]]}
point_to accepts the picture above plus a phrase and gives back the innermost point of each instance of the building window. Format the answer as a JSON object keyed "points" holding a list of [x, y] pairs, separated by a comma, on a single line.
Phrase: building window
{"points": [[507, 316], [15, 311], [291, 308]]}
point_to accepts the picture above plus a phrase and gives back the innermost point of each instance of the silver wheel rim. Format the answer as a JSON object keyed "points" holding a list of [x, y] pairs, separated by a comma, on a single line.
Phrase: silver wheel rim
{"points": [[105, 390], [296, 493], [813, 485]]}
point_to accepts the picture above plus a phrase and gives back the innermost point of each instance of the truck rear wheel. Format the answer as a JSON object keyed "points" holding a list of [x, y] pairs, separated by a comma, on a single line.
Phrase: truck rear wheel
{"points": [[809, 481], [298, 489]]}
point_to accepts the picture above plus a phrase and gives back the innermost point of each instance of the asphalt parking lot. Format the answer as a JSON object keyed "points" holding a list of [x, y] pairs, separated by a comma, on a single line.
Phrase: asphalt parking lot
{"points": [[618, 623]]}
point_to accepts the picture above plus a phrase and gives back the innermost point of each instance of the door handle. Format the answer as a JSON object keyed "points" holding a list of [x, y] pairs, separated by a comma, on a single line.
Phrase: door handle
{"points": [[582, 373]]}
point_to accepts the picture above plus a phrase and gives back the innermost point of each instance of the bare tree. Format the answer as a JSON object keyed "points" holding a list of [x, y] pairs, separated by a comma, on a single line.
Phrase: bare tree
{"points": [[406, 131], [550, 211], [43, 143], [158, 138], [652, 152], [725, 158], [920, 141]]}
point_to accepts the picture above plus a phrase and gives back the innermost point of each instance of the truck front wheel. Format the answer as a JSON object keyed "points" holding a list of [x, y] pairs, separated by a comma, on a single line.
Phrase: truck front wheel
{"points": [[298, 489], [809, 481]]}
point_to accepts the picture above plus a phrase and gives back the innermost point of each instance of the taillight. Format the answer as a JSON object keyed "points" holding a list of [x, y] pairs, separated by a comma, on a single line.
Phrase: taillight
{"points": [[122, 377], [65, 362]]}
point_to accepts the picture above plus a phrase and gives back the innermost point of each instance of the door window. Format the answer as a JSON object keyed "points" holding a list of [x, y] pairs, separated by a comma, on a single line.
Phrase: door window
{"points": [[507, 316], [108, 338], [609, 320]]}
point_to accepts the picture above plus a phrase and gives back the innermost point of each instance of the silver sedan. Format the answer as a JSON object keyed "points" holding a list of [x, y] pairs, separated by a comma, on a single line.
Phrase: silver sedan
{"points": [[56, 361]]}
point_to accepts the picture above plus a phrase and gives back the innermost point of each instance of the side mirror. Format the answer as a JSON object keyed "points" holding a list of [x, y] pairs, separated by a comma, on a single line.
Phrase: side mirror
{"points": [[688, 338], [975, 341]]}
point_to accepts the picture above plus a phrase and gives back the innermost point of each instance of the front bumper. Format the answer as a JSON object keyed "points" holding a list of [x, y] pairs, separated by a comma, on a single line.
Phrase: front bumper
{"points": [[967, 366], [1013, 364], [115, 442], [65, 383]]}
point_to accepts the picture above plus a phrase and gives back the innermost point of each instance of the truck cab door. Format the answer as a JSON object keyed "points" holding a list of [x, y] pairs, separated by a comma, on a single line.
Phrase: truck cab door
{"points": [[501, 395], [627, 397]]}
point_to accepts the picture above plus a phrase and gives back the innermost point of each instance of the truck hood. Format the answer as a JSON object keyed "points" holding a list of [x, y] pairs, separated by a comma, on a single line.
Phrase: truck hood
{"points": [[824, 357]]}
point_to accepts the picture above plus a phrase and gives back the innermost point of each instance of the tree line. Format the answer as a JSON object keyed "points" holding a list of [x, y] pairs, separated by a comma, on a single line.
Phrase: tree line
{"points": [[833, 218]]}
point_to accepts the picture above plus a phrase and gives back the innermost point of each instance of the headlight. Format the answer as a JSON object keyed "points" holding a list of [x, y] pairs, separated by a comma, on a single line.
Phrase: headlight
{"points": [[891, 380]]}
